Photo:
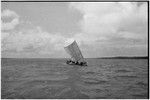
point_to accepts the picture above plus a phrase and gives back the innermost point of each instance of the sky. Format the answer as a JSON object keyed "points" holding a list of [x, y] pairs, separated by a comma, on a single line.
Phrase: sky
{"points": [[101, 29]]}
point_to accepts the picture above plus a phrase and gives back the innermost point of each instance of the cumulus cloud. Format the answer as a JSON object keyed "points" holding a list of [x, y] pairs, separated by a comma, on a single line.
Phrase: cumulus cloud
{"points": [[35, 40], [107, 19], [28, 41], [107, 29], [107, 22], [11, 24]]}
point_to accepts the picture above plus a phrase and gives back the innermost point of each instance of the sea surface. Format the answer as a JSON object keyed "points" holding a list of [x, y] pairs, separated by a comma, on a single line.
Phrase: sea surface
{"points": [[53, 78]]}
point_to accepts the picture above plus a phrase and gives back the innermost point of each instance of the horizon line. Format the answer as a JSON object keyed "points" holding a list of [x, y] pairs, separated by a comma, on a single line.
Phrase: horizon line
{"points": [[85, 57]]}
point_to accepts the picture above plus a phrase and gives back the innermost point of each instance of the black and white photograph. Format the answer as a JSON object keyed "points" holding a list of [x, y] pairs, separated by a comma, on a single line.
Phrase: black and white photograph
{"points": [[74, 50]]}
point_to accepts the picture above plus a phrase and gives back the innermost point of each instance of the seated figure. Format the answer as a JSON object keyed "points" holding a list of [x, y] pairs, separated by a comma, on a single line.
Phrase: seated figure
{"points": [[76, 62]]}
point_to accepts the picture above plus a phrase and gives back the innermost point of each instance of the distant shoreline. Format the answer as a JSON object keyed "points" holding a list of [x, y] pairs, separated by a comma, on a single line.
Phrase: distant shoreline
{"points": [[125, 57], [117, 57]]}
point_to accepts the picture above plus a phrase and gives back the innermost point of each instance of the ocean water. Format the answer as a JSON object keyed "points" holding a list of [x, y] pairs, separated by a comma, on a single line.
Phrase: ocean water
{"points": [[52, 78]]}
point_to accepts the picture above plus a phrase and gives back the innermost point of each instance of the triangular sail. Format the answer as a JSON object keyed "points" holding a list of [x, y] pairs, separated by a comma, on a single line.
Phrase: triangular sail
{"points": [[74, 51]]}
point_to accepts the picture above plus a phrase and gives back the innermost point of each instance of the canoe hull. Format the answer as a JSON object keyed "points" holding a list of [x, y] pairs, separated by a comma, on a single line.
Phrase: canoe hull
{"points": [[76, 63]]}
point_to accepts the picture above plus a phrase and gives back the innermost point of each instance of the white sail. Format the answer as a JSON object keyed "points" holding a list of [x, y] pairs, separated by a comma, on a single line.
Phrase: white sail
{"points": [[73, 50]]}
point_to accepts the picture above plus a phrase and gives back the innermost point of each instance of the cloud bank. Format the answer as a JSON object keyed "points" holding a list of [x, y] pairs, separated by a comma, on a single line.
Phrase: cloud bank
{"points": [[25, 42], [119, 27], [107, 29]]}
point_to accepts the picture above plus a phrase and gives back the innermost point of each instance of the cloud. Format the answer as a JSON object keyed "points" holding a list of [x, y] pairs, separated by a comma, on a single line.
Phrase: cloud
{"points": [[28, 40], [106, 19], [35, 40], [11, 24], [107, 29], [111, 21]]}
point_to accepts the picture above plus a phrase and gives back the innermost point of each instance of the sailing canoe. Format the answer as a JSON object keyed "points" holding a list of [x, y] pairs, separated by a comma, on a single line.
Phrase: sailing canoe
{"points": [[73, 50]]}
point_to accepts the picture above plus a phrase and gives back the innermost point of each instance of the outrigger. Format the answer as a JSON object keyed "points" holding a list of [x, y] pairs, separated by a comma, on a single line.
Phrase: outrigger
{"points": [[73, 50]]}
